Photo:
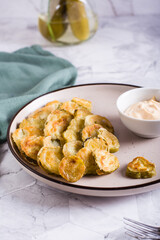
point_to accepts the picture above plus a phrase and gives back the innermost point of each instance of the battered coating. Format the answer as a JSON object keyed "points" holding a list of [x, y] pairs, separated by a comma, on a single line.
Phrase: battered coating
{"points": [[21, 133], [140, 168], [56, 124], [70, 107], [82, 113], [96, 143], [31, 146], [49, 159], [76, 124], [90, 131], [71, 148], [97, 119], [51, 143], [87, 156], [73, 131], [107, 162], [38, 118], [72, 168], [111, 140], [70, 135], [83, 102]]}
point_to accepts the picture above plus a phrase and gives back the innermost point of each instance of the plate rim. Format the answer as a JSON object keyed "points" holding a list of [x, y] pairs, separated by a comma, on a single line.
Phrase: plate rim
{"points": [[72, 185]]}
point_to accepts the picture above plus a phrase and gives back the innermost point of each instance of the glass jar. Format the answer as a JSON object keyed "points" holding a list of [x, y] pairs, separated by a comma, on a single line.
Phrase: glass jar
{"points": [[67, 21]]}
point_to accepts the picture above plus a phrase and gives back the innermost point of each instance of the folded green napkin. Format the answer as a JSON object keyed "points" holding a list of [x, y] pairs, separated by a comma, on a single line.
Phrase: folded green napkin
{"points": [[26, 74]]}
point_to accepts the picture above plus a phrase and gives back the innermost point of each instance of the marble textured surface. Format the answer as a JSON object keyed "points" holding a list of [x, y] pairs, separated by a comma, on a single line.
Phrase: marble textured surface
{"points": [[126, 49], [110, 8]]}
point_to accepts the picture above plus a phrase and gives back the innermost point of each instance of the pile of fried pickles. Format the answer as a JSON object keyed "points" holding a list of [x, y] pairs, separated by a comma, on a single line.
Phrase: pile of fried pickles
{"points": [[68, 13], [67, 139]]}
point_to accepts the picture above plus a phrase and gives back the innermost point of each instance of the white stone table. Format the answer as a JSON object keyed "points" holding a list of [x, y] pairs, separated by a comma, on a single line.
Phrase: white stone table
{"points": [[124, 50]]}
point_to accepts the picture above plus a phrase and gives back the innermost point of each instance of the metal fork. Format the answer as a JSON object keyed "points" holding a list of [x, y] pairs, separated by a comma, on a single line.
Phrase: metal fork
{"points": [[140, 230]]}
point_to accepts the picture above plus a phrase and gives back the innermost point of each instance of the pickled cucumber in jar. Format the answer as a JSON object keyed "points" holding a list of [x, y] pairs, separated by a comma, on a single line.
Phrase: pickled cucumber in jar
{"points": [[78, 19], [52, 26], [68, 21]]}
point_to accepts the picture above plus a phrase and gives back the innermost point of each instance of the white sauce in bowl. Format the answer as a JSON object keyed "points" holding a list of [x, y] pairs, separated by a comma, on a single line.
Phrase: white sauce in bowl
{"points": [[149, 110]]}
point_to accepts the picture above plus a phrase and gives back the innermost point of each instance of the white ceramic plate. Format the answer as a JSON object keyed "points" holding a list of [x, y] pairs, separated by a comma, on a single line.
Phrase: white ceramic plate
{"points": [[103, 97]]}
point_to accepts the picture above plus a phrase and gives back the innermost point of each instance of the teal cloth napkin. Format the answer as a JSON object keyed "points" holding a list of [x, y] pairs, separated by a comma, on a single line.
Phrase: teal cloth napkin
{"points": [[25, 75]]}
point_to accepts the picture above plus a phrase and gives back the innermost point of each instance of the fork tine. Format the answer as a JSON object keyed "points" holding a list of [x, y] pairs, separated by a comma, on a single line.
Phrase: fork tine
{"points": [[135, 235], [132, 235], [157, 229], [140, 234], [140, 230], [143, 230]]}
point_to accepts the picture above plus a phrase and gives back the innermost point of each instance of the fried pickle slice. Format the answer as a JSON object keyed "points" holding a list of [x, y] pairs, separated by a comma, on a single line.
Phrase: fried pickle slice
{"points": [[21, 133], [51, 143], [87, 156], [97, 119], [69, 135], [38, 118], [73, 131], [107, 162], [82, 102], [95, 143], [42, 113], [140, 168], [72, 168], [31, 145], [111, 139], [78, 19], [70, 107], [53, 105], [71, 148], [57, 123], [33, 122], [90, 131], [49, 159], [82, 113], [76, 124]]}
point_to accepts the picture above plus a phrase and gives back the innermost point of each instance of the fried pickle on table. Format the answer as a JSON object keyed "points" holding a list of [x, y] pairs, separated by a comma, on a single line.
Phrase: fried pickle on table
{"points": [[140, 168]]}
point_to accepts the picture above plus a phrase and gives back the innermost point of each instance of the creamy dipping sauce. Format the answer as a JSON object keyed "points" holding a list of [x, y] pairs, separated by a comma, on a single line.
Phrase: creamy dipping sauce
{"points": [[149, 110]]}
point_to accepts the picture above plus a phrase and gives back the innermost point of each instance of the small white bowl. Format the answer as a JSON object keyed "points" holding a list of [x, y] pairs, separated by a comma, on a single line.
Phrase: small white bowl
{"points": [[142, 128]]}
